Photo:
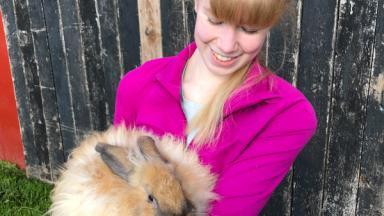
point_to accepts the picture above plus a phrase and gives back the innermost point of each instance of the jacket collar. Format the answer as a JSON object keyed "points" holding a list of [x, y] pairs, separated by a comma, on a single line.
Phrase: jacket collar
{"points": [[263, 91], [171, 77]]}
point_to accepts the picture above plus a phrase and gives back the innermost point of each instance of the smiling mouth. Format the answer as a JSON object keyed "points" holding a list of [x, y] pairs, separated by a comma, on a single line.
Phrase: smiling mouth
{"points": [[223, 58]]}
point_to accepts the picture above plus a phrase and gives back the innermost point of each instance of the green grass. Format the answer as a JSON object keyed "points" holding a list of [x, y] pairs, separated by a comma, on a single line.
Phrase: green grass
{"points": [[20, 195]]}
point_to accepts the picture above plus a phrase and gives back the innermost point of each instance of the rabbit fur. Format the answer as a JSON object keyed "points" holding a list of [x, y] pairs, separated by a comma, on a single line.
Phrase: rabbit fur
{"points": [[131, 172]]}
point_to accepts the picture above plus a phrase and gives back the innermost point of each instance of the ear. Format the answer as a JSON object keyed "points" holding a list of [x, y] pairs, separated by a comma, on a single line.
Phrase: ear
{"points": [[148, 149], [115, 157]]}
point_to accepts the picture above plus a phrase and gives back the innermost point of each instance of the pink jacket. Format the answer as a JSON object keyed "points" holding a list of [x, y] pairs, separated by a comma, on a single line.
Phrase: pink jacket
{"points": [[263, 131]]}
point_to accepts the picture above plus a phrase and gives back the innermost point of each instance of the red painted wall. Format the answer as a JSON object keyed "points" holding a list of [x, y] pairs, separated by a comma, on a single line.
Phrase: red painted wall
{"points": [[11, 148]]}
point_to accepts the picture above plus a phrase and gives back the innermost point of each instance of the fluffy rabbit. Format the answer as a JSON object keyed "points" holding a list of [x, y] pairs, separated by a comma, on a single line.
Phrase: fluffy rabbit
{"points": [[131, 172]]}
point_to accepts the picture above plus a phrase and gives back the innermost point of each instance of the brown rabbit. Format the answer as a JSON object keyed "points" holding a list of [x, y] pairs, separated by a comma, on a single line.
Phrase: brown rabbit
{"points": [[131, 172]]}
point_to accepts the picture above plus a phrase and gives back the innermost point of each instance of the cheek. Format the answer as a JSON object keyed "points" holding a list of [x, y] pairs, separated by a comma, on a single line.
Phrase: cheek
{"points": [[203, 32], [253, 44]]}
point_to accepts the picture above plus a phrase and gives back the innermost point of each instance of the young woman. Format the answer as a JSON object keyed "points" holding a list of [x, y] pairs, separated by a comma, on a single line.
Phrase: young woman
{"points": [[246, 123]]}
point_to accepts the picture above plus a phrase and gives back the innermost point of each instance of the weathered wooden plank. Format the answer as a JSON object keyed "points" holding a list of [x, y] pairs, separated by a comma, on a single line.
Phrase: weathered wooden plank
{"points": [[46, 86], [176, 32], [150, 29], [280, 202], [11, 146], [282, 58], [37, 155], [60, 74], [19, 82], [70, 25], [314, 80], [283, 44], [355, 38], [110, 53], [190, 19], [90, 36], [371, 181], [128, 20]]}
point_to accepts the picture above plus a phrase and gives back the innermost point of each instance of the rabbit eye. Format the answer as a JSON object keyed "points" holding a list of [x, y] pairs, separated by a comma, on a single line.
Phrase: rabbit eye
{"points": [[152, 201], [151, 198]]}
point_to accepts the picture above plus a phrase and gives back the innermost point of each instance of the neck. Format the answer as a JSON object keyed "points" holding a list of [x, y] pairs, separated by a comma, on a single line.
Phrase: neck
{"points": [[199, 85]]}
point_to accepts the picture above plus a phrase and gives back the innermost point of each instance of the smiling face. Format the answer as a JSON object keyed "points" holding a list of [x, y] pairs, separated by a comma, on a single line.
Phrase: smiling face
{"points": [[224, 47]]}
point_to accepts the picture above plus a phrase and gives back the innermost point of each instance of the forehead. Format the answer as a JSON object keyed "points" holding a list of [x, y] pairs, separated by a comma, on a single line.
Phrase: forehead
{"points": [[204, 5], [261, 13], [226, 12]]}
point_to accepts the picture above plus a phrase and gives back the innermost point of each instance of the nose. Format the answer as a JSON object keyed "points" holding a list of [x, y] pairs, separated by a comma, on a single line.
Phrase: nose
{"points": [[227, 39]]}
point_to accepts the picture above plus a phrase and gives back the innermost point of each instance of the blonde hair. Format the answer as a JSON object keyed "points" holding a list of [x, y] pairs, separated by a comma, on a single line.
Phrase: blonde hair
{"points": [[261, 13]]}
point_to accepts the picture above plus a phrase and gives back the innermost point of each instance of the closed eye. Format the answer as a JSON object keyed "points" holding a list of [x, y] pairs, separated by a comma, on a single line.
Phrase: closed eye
{"points": [[214, 21], [249, 30]]}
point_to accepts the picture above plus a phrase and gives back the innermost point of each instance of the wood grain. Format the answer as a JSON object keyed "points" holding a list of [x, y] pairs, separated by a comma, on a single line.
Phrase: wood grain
{"points": [[371, 179], [282, 59], [177, 29], [314, 80], [60, 73], [353, 52], [150, 29]]}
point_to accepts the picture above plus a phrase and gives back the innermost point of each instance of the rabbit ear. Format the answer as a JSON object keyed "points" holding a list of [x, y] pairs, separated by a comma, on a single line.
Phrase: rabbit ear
{"points": [[148, 149], [115, 157]]}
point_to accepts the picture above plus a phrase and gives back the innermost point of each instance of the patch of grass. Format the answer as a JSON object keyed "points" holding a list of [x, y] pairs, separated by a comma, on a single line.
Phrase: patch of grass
{"points": [[20, 195]]}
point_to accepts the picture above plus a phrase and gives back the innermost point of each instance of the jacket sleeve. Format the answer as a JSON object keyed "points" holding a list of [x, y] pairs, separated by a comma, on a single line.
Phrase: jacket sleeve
{"points": [[126, 100], [131, 88], [247, 183]]}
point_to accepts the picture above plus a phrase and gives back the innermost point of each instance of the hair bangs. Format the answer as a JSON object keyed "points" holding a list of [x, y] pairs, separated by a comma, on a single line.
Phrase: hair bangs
{"points": [[259, 13]]}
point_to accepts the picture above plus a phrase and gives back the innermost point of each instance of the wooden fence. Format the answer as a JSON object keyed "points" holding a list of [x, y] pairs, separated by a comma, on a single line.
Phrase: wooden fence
{"points": [[67, 57]]}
